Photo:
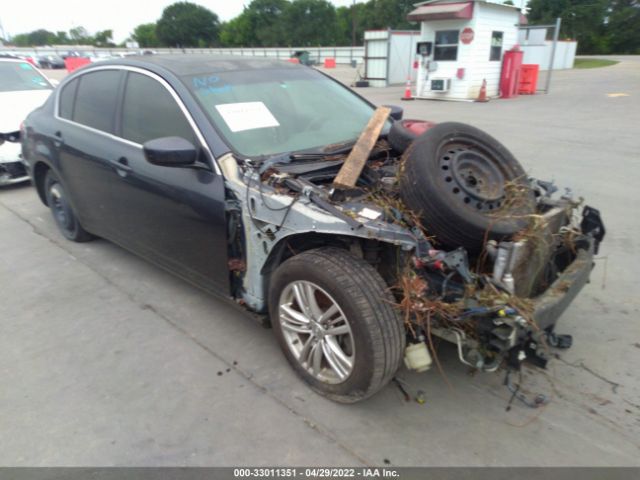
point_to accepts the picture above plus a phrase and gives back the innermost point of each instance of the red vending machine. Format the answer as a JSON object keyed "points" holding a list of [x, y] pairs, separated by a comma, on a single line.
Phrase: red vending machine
{"points": [[510, 76]]}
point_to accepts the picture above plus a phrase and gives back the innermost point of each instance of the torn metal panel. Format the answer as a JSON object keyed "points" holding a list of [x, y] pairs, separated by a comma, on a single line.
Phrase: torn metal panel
{"points": [[269, 217]]}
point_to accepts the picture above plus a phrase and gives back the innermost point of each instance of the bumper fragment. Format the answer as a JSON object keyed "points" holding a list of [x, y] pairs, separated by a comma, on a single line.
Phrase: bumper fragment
{"points": [[549, 306], [13, 172], [12, 168]]}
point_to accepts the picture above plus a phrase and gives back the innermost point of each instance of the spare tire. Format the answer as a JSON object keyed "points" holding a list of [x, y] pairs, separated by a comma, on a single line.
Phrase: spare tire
{"points": [[403, 132], [454, 178]]}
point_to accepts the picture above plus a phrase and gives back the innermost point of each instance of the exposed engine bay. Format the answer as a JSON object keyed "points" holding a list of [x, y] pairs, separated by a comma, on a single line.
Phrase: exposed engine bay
{"points": [[496, 294]]}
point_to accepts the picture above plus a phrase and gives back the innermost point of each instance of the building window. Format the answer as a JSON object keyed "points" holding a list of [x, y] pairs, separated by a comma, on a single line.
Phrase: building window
{"points": [[446, 47], [496, 47]]}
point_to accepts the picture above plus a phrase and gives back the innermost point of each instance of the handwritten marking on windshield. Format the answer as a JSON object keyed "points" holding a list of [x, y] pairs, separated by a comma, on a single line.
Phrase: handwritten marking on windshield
{"points": [[209, 84]]}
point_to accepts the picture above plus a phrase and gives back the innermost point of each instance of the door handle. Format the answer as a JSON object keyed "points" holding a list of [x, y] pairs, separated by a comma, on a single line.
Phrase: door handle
{"points": [[58, 140], [122, 165]]}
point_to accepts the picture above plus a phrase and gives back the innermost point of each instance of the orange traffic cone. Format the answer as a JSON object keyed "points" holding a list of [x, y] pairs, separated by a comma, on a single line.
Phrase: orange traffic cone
{"points": [[482, 96], [407, 90]]}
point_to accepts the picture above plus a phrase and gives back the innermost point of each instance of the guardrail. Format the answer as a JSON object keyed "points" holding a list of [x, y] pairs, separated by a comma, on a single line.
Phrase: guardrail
{"points": [[342, 55]]}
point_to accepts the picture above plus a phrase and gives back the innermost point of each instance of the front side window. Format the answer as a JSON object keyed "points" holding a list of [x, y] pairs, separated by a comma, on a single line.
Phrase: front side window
{"points": [[149, 111], [96, 99], [446, 46], [20, 76], [496, 46]]}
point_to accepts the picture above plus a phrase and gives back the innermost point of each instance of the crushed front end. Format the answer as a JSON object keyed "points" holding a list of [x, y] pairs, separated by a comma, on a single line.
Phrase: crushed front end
{"points": [[502, 305], [12, 168], [498, 304]]}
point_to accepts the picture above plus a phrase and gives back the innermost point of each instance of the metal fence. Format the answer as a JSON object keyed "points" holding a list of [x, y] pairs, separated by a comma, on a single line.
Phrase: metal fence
{"points": [[342, 55]]}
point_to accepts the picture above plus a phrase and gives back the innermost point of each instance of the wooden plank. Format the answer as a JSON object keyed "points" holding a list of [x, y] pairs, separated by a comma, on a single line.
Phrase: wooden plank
{"points": [[353, 165]]}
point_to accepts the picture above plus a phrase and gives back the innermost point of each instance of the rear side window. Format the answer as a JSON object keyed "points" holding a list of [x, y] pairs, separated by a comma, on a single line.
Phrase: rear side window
{"points": [[149, 111], [96, 99], [67, 97]]}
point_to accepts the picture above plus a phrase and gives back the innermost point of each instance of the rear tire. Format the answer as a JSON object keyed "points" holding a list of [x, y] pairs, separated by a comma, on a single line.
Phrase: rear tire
{"points": [[62, 211], [366, 328]]}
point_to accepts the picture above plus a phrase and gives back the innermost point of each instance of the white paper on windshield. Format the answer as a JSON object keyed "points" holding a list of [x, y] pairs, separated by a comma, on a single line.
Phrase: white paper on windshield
{"points": [[247, 116], [369, 213]]}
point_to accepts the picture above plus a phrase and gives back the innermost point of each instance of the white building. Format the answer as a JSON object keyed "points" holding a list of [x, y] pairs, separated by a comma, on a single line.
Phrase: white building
{"points": [[461, 44], [519, 4]]}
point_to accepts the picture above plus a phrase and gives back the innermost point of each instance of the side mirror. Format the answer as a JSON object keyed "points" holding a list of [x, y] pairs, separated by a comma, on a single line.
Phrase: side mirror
{"points": [[396, 112], [170, 152]]}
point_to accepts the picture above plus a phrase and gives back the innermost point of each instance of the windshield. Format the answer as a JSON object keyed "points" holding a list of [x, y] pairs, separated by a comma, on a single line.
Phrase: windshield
{"points": [[15, 76], [270, 111]]}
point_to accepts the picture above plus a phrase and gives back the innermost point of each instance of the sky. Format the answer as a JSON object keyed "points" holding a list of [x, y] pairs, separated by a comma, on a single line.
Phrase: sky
{"points": [[121, 16]]}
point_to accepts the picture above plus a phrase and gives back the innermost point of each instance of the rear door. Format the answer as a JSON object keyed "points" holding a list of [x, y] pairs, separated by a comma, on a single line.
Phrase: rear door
{"points": [[173, 216], [87, 147]]}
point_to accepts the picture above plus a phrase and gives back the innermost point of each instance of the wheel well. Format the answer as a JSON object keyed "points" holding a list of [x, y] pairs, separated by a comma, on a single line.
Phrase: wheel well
{"points": [[383, 256], [39, 173]]}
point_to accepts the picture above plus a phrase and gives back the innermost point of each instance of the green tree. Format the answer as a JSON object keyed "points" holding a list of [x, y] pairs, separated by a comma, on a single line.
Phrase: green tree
{"points": [[310, 23], [80, 35], [62, 38], [267, 21], [238, 32], [20, 40], [387, 14], [623, 27], [346, 17], [344, 22], [185, 24], [36, 38], [145, 35], [42, 37], [584, 21], [103, 38], [374, 14]]}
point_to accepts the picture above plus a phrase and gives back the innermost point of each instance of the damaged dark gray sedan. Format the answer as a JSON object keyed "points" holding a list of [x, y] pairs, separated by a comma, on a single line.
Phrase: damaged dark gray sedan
{"points": [[360, 236]]}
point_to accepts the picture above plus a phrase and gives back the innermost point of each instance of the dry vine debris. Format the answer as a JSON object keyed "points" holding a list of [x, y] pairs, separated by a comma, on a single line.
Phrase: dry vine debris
{"points": [[422, 307]]}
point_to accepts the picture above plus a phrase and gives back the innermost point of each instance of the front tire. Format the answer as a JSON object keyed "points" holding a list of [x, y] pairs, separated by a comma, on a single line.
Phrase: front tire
{"points": [[336, 324], [62, 211]]}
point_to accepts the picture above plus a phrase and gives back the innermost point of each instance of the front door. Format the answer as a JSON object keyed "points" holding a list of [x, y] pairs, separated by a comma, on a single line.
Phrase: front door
{"points": [[173, 216]]}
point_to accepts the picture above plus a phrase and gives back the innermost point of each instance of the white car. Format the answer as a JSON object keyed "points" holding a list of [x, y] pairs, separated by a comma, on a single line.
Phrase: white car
{"points": [[23, 88]]}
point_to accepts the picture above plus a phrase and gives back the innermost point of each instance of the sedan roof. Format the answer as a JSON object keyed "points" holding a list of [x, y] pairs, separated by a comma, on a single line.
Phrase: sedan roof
{"points": [[194, 64]]}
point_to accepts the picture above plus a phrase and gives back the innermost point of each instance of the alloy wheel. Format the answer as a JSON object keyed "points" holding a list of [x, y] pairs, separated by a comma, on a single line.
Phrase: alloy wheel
{"points": [[317, 331]]}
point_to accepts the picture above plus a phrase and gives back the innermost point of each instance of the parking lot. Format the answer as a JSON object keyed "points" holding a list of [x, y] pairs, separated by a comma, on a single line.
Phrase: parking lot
{"points": [[108, 360]]}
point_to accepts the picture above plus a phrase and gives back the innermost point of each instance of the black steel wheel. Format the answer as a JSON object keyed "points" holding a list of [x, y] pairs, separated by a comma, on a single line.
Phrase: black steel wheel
{"points": [[455, 176], [62, 211]]}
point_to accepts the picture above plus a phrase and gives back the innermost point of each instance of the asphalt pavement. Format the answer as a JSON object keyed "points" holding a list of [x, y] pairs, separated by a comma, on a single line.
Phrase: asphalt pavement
{"points": [[107, 360]]}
